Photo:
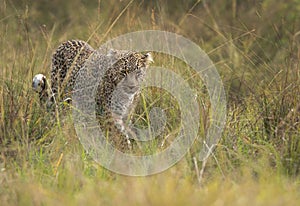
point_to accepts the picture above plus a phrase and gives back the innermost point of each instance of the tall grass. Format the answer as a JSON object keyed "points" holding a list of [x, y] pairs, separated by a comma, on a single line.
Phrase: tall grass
{"points": [[255, 47]]}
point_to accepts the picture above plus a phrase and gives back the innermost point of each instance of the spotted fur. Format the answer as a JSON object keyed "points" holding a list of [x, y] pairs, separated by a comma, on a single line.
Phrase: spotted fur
{"points": [[67, 60]]}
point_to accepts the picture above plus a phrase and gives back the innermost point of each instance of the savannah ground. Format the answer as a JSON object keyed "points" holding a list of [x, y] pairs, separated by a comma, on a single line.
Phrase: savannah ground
{"points": [[255, 46]]}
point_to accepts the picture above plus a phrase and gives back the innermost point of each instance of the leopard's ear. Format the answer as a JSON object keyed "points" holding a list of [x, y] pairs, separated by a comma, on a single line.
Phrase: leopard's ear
{"points": [[149, 58]]}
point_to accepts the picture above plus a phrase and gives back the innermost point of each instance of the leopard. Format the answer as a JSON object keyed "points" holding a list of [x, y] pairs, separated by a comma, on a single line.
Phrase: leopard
{"points": [[121, 73]]}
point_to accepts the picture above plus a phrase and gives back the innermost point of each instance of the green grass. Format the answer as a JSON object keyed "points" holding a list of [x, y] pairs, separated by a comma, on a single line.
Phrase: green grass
{"points": [[255, 47]]}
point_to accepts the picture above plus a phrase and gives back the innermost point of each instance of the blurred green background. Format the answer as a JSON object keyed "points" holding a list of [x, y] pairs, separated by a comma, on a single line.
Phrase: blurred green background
{"points": [[255, 45], [250, 40]]}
